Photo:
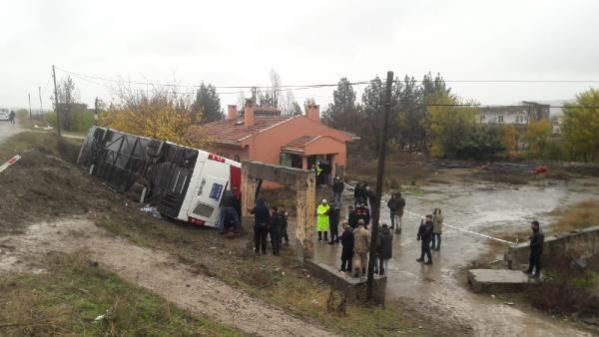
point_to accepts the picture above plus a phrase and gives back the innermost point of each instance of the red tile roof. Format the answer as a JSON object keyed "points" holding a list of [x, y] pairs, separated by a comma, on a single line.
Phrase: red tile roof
{"points": [[301, 142], [233, 131]]}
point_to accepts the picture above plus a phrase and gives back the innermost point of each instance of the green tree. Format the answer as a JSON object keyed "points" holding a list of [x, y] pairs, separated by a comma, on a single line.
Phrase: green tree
{"points": [[206, 106], [343, 113], [580, 126], [536, 137], [450, 126], [373, 104]]}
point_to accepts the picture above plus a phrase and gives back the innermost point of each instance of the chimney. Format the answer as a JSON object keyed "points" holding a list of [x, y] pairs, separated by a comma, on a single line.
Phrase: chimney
{"points": [[314, 112], [248, 113], [231, 112]]}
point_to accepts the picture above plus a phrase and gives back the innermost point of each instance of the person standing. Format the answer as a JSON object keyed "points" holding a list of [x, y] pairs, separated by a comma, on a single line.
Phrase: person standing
{"points": [[275, 230], [284, 215], [370, 198], [393, 205], [347, 252], [322, 220], [11, 117], [437, 229], [537, 241], [363, 214], [358, 194], [425, 233], [361, 247], [352, 217], [261, 222], [338, 187], [334, 214], [385, 248]]}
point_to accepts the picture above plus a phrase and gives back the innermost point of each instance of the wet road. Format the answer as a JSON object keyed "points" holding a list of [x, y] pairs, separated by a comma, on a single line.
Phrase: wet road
{"points": [[440, 289], [7, 130]]}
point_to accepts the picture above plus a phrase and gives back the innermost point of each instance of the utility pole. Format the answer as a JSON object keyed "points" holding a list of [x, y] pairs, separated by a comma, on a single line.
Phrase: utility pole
{"points": [[96, 111], [29, 97], [56, 102], [41, 106], [379, 186]]}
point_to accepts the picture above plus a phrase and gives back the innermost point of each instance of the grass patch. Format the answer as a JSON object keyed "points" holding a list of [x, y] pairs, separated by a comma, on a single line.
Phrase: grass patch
{"points": [[582, 215], [66, 300]]}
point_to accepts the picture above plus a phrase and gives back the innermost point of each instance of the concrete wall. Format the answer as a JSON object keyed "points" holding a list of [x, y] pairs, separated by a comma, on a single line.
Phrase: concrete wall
{"points": [[354, 289], [580, 243]]}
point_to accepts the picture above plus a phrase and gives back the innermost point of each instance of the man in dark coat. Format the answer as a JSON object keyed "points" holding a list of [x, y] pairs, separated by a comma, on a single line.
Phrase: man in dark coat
{"points": [[425, 234], [347, 253], [284, 215], [358, 194], [384, 248], [370, 197], [338, 187], [334, 214], [537, 240], [261, 222], [11, 117], [275, 230], [352, 217], [396, 205]]}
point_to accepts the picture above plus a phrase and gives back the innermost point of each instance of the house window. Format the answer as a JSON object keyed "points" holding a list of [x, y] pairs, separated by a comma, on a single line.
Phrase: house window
{"points": [[285, 159], [500, 119]]}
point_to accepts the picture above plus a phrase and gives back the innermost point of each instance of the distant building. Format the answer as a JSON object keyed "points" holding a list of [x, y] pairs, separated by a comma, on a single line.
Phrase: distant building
{"points": [[514, 114], [263, 134]]}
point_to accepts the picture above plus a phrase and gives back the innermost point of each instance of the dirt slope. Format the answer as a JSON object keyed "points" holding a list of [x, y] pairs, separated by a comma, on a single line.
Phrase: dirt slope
{"points": [[153, 270]]}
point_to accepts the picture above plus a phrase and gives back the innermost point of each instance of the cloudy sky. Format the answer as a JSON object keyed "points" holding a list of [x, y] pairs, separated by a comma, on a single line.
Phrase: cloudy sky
{"points": [[231, 43]]}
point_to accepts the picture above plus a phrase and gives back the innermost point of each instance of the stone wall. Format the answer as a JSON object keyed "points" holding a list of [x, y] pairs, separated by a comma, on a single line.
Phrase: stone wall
{"points": [[354, 289], [579, 243]]}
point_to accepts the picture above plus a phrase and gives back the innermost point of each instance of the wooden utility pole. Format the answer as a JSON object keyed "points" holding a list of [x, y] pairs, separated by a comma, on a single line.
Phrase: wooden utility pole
{"points": [[39, 89], [56, 102], [376, 210], [29, 97], [96, 111]]}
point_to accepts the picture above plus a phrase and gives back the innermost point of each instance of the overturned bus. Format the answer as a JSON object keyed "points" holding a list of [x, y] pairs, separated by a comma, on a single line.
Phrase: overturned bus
{"points": [[182, 182]]}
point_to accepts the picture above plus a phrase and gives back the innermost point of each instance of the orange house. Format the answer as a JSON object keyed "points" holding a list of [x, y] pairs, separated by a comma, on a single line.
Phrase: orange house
{"points": [[262, 134]]}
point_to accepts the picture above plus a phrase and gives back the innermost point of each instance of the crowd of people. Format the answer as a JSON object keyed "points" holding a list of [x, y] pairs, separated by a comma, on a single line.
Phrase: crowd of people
{"points": [[355, 237]]}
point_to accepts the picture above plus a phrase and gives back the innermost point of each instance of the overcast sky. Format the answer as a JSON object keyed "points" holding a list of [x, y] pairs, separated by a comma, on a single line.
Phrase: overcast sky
{"points": [[237, 43]]}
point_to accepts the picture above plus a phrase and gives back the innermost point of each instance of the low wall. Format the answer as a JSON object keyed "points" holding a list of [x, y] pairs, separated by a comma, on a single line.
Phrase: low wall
{"points": [[579, 243], [353, 288]]}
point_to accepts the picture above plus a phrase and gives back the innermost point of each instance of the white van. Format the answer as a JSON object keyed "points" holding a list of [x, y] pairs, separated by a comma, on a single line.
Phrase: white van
{"points": [[182, 182], [4, 114]]}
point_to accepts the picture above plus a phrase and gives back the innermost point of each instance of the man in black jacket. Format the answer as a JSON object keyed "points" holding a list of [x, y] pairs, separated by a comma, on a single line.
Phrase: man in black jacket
{"points": [[537, 240], [261, 222], [347, 253], [352, 217], [425, 234], [338, 187], [396, 205], [275, 230]]}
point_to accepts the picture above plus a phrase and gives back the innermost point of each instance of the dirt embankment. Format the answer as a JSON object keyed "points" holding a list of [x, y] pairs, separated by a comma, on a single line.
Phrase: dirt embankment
{"points": [[156, 271]]}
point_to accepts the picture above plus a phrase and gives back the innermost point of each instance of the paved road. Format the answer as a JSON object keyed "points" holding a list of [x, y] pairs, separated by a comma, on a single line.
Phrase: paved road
{"points": [[7, 130]]}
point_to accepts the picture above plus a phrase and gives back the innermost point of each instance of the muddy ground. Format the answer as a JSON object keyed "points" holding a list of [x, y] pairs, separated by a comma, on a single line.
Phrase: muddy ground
{"points": [[440, 290]]}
